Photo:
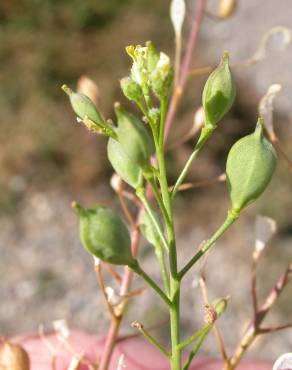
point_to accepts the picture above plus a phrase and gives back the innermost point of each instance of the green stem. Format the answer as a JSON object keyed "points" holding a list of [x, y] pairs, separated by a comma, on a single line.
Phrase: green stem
{"points": [[196, 347], [149, 337], [141, 195], [205, 134], [164, 273], [158, 199], [231, 217], [136, 268], [174, 309], [193, 337]]}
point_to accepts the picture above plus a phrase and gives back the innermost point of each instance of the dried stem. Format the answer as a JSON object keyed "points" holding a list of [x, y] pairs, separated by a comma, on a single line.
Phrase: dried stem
{"points": [[100, 281], [215, 329], [116, 321], [254, 283], [277, 144], [254, 326], [115, 275], [191, 43]]}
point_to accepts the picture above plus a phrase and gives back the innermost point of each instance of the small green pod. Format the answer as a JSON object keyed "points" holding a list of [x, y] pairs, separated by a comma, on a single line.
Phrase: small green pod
{"points": [[219, 93], [134, 137], [83, 106], [148, 229], [250, 166], [123, 165], [220, 306], [104, 235]]}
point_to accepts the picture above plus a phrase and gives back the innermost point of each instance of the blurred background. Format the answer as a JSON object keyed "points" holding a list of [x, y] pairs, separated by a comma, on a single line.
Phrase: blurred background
{"points": [[47, 160]]}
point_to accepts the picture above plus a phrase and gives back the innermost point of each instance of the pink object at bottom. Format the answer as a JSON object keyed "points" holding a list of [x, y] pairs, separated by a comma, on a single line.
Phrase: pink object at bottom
{"points": [[137, 354]]}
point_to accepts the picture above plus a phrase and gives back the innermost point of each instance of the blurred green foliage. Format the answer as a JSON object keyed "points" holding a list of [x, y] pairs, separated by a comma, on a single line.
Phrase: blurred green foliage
{"points": [[45, 43]]}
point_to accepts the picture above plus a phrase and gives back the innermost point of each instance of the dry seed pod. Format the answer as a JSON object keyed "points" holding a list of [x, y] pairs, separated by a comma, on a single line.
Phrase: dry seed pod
{"points": [[226, 8], [88, 87], [13, 357]]}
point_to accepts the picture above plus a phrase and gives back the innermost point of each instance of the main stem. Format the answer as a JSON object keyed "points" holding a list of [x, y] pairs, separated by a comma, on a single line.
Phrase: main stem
{"points": [[174, 309]]}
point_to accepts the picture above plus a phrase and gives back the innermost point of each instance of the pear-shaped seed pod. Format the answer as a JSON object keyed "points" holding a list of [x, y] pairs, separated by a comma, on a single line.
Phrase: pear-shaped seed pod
{"points": [[83, 106], [219, 93], [250, 166], [133, 137], [129, 171], [104, 235], [13, 357]]}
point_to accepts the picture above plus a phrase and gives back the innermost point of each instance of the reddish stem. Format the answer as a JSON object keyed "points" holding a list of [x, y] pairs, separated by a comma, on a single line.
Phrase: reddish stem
{"points": [[116, 321], [254, 326]]}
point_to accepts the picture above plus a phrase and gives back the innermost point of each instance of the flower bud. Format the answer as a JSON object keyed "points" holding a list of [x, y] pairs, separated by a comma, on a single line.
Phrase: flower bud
{"points": [[104, 235], [123, 165], [250, 166], [161, 77], [220, 305], [139, 72], [219, 93], [131, 89], [133, 137], [83, 106]]}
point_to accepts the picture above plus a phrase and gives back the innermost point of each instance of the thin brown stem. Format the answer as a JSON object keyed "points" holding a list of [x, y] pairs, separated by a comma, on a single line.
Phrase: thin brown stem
{"points": [[124, 207], [273, 329], [215, 329], [278, 145], [100, 281], [254, 326], [200, 71], [115, 275], [116, 321], [200, 184], [254, 284]]}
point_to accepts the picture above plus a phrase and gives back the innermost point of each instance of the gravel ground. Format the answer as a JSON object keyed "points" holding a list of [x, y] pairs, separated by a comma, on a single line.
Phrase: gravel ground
{"points": [[46, 275]]}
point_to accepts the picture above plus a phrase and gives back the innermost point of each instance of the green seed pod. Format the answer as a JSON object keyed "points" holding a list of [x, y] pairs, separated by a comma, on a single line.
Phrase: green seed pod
{"points": [[219, 93], [131, 89], [148, 229], [123, 165], [220, 306], [104, 235], [133, 137], [250, 166], [83, 106]]}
